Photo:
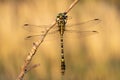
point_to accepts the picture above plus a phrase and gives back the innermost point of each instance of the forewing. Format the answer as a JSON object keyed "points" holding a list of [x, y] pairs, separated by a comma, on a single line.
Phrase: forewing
{"points": [[83, 26], [37, 32]]}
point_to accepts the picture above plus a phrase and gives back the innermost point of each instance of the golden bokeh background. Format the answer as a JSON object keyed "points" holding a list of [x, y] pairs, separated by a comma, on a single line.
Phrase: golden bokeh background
{"points": [[95, 57]]}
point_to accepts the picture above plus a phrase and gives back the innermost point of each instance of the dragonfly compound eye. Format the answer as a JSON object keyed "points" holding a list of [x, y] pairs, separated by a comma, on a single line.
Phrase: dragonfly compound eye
{"points": [[61, 16]]}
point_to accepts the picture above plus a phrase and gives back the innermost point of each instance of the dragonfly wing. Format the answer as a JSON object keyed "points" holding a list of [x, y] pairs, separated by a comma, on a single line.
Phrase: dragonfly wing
{"points": [[79, 34], [87, 25], [50, 36], [34, 35], [37, 28]]}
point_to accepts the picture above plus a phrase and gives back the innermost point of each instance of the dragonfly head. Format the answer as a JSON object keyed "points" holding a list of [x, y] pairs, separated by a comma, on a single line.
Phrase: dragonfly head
{"points": [[61, 16]]}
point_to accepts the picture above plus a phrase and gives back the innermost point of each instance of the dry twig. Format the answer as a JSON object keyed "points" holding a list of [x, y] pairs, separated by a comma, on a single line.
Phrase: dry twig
{"points": [[31, 54], [32, 67]]}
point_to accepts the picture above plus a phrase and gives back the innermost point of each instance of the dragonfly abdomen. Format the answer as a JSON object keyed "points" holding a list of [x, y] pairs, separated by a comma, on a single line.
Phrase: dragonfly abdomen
{"points": [[62, 56]]}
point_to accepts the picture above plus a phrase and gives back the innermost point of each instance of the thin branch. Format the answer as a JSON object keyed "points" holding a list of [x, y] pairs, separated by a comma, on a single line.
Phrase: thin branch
{"points": [[28, 59], [71, 6], [32, 67]]}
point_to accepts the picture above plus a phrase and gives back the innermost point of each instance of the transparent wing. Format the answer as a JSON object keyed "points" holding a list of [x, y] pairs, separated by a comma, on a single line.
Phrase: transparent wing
{"points": [[79, 34], [87, 25], [51, 36], [79, 30], [70, 34], [42, 34], [36, 28]]}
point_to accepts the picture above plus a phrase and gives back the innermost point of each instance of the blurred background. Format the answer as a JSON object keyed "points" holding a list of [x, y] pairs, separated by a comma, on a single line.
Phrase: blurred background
{"points": [[95, 57]]}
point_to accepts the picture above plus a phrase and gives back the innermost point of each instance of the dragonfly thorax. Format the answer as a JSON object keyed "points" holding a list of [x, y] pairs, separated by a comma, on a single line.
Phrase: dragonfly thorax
{"points": [[61, 22]]}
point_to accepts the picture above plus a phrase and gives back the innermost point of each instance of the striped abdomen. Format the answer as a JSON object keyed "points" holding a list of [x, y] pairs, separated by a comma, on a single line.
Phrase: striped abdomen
{"points": [[62, 56]]}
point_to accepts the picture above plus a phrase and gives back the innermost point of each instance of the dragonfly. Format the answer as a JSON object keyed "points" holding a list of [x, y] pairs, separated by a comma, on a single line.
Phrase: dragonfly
{"points": [[60, 21], [61, 27]]}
